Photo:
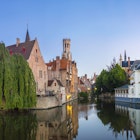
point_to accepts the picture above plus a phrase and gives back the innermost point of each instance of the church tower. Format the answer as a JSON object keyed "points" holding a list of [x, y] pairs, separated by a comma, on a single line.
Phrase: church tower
{"points": [[66, 49]]}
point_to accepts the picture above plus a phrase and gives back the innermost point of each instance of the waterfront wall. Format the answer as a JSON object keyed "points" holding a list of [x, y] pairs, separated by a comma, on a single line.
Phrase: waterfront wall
{"points": [[52, 101], [47, 102]]}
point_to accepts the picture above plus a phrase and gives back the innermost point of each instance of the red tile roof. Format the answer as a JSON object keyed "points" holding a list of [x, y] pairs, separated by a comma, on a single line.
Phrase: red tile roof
{"points": [[23, 48], [64, 63]]}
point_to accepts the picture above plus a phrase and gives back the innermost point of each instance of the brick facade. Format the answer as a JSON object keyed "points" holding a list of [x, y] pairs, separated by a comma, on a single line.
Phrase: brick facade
{"points": [[65, 70], [31, 52]]}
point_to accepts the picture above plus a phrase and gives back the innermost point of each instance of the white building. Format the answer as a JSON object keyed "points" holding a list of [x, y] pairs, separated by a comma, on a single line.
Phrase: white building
{"points": [[130, 93]]}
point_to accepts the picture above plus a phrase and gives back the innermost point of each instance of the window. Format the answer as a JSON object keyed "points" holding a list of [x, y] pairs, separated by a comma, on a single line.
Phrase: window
{"points": [[40, 74], [54, 84], [36, 50]]}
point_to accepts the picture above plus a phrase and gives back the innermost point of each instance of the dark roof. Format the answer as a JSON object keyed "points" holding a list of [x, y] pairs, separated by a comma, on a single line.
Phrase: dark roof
{"points": [[81, 82], [23, 48], [51, 81], [125, 63], [59, 83], [135, 64], [123, 87]]}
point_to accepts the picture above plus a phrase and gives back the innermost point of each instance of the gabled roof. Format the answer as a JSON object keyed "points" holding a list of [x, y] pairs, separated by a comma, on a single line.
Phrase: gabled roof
{"points": [[135, 64], [59, 83], [81, 82], [50, 82], [125, 63], [23, 48]]}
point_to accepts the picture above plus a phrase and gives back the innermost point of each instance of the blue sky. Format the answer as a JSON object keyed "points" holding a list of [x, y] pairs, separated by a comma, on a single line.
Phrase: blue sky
{"points": [[99, 29]]}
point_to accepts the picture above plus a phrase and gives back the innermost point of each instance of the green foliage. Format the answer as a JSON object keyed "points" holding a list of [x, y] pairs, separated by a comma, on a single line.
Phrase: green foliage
{"points": [[17, 86], [108, 80], [18, 126], [108, 116], [83, 96]]}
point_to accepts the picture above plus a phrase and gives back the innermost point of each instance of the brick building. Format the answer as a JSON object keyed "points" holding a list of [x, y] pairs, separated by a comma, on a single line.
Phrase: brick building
{"points": [[65, 70], [84, 84], [31, 52]]}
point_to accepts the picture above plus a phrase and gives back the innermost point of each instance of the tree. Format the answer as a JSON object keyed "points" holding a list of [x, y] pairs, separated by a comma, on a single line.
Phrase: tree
{"points": [[108, 80], [17, 86]]}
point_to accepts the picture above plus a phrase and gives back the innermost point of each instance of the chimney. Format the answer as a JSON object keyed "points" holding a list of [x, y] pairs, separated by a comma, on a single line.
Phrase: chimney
{"points": [[17, 42], [57, 57]]}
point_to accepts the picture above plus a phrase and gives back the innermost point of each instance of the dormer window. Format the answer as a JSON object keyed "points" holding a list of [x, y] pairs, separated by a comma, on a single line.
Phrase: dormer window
{"points": [[23, 50]]}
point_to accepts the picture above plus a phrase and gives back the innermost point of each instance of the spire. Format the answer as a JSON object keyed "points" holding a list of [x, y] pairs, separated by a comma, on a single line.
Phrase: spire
{"points": [[125, 55], [27, 36], [120, 57]]}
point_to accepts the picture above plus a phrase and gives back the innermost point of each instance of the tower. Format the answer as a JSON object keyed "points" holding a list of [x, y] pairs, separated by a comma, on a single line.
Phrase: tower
{"points": [[125, 55], [66, 49]]}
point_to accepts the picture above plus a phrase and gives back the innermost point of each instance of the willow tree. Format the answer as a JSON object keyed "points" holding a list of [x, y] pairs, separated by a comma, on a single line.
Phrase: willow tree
{"points": [[17, 86]]}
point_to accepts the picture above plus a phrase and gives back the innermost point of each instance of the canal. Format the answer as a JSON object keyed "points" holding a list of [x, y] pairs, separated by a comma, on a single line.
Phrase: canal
{"points": [[96, 120]]}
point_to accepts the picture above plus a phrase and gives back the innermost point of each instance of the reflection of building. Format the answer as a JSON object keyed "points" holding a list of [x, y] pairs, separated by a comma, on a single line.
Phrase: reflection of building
{"points": [[58, 123], [85, 111], [134, 114]]}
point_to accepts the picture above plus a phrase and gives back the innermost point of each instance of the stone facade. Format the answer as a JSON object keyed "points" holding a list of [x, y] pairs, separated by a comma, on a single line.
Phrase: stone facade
{"points": [[57, 89]]}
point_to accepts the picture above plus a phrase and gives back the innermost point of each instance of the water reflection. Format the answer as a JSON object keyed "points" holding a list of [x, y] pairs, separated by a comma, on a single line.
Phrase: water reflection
{"points": [[18, 126], [117, 119], [96, 120], [57, 124], [133, 113]]}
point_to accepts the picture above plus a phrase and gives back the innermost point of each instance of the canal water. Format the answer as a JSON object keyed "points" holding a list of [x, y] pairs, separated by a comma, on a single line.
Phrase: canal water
{"points": [[96, 120]]}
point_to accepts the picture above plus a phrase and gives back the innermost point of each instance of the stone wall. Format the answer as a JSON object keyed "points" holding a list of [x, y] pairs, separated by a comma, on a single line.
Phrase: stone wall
{"points": [[52, 101], [47, 102]]}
